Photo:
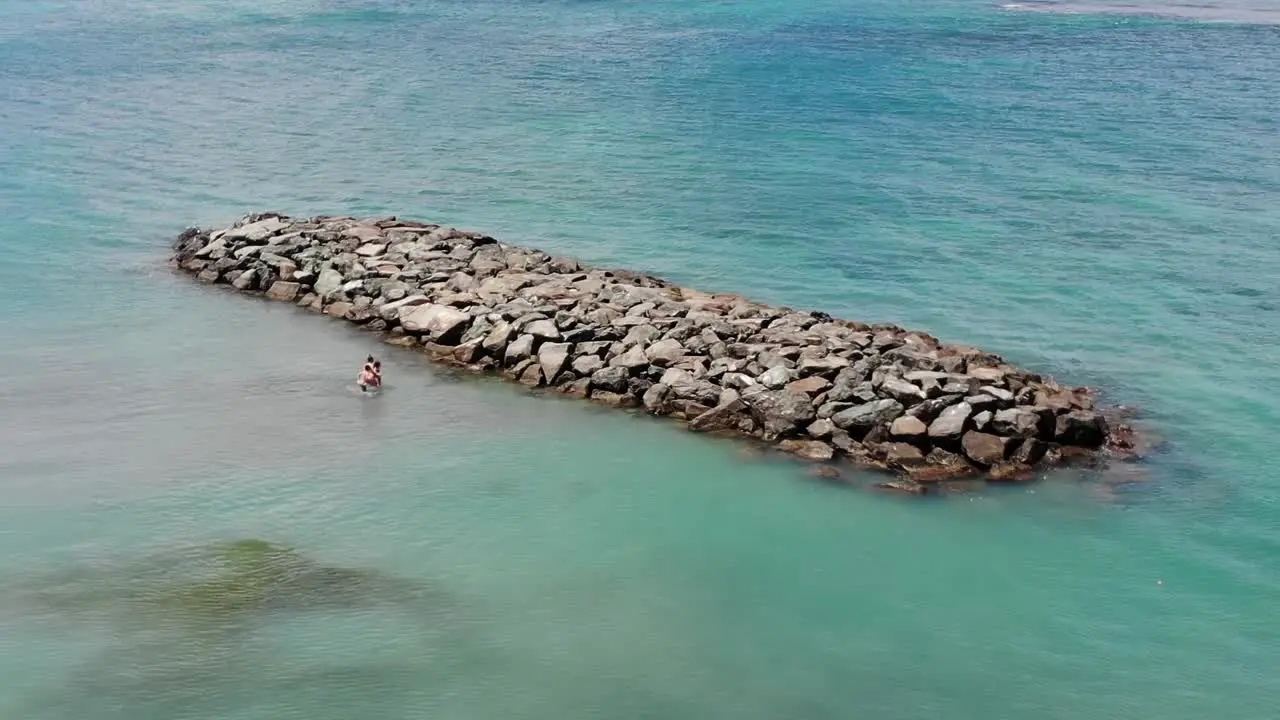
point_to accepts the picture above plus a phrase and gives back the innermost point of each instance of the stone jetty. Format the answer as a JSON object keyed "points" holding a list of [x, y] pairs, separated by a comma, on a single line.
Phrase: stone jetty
{"points": [[825, 389]]}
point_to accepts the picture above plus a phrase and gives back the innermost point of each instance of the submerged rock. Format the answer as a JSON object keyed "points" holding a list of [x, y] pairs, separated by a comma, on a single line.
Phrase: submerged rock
{"points": [[217, 583]]}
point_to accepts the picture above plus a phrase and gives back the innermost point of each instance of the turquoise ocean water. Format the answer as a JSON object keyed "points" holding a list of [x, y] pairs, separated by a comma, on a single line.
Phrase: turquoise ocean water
{"points": [[1091, 191]]}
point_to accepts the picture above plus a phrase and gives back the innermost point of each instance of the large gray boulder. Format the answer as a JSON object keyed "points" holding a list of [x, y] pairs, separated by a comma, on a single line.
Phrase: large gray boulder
{"points": [[902, 391], [330, 281], [553, 357], [543, 330], [391, 311], [779, 412], [665, 353], [586, 365], [683, 384], [849, 386], [495, 343], [443, 324], [1024, 422], [245, 280], [517, 350], [641, 335], [951, 422], [633, 359], [656, 398], [879, 412], [613, 379], [929, 410], [256, 232], [821, 428], [776, 377], [825, 366]]}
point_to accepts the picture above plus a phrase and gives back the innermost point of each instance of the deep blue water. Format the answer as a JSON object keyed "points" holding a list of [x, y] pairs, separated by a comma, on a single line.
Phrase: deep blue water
{"points": [[1092, 191]]}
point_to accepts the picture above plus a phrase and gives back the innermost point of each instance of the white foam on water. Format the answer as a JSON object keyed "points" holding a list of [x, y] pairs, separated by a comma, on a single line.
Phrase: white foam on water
{"points": [[1249, 13]]}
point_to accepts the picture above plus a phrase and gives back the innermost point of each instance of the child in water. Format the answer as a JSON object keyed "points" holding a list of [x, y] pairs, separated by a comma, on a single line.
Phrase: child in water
{"points": [[370, 375]]}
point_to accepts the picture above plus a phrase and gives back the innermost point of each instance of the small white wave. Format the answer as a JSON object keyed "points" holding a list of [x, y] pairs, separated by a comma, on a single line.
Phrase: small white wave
{"points": [[1226, 11]]}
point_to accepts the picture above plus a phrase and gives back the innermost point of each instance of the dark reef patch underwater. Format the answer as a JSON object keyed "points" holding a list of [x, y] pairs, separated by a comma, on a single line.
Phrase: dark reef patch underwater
{"points": [[220, 582]]}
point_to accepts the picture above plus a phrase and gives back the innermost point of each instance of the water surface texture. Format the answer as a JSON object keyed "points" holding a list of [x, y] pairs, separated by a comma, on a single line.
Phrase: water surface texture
{"points": [[201, 520]]}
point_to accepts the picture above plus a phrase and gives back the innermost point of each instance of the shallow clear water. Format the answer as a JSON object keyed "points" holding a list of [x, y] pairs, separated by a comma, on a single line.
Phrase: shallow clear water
{"points": [[1092, 195]]}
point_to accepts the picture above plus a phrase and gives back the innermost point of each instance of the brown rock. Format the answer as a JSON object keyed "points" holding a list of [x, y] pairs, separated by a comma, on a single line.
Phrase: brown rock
{"points": [[578, 388], [901, 454], [984, 448], [443, 324], [1011, 472], [844, 443], [665, 353], [821, 429], [686, 409], [908, 487], [245, 280], [337, 309], [1056, 398], [657, 398], [1029, 452], [614, 399], [722, 417], [901, 390], [824, 472], [532, 375], [553, 357], [442, 353], [939, 473], [468, 352], [826, 366], [495, 343], [989, 374], [283, 291], [811, 450], [811, 385], [909, 428], [633, 359], [779, 412], [1028, 422]]}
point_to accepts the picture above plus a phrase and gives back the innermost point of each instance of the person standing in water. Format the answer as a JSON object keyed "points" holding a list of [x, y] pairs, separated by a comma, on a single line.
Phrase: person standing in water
{"points": [[370, 375]]}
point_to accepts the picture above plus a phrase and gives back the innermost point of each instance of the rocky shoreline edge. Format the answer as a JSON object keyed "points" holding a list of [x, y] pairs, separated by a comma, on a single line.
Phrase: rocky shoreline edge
{"points": [[821, 388]]}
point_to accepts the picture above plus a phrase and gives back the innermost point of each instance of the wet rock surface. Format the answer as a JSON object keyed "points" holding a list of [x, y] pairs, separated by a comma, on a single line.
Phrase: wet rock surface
{"points": [[823, 389]]}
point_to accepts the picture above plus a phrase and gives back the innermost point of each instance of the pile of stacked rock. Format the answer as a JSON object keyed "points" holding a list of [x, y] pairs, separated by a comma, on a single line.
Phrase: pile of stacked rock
{"points": [[819, 387]]}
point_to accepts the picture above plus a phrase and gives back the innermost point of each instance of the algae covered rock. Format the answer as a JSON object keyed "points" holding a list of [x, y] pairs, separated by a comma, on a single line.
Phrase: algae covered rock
{"points": [[220, 581]]}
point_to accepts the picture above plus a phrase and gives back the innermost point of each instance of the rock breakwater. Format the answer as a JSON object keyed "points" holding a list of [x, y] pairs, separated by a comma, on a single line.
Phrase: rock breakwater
{"points": [[821, 388]]}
